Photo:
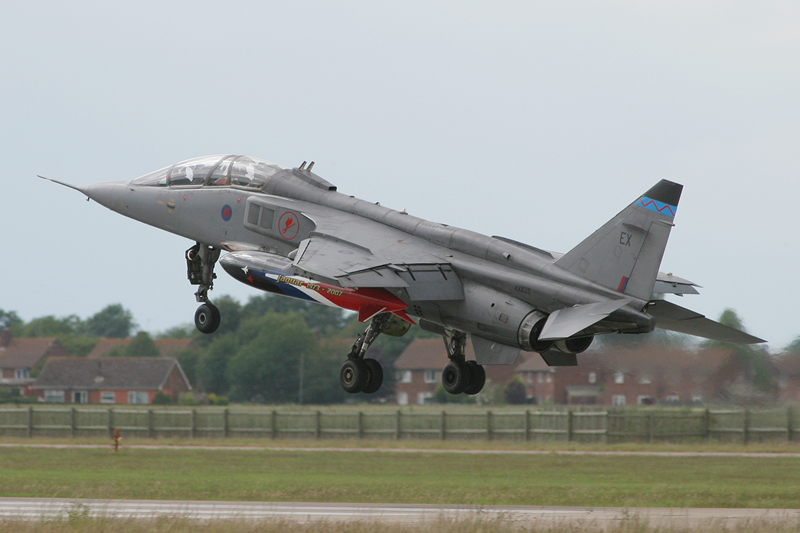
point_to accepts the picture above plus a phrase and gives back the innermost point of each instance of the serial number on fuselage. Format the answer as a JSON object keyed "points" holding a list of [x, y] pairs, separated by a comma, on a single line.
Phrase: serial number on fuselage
{"points": [[312, 286]]}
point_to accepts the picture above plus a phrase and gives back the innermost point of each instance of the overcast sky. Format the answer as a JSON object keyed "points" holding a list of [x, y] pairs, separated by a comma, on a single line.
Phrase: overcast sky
{"points": [[537, 121]]}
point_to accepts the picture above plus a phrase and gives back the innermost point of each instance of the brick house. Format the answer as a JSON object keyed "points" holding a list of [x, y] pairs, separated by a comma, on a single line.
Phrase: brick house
{"points": [[19, 358], [132, 380], [648, 376], [418, 370], [166, 347], [540, 385]]}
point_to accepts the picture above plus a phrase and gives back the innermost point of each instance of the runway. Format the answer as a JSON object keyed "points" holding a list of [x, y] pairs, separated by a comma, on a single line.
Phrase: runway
{"points": [[524, 516]]}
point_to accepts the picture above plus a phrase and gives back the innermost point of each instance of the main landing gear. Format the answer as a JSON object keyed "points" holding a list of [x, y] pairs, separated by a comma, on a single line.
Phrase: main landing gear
{"points": [[361, 374], [200, 261], [460, 375]]}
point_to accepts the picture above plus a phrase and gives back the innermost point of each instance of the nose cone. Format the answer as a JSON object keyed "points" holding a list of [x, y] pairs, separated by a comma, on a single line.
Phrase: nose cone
{"points": [[106, 194]]}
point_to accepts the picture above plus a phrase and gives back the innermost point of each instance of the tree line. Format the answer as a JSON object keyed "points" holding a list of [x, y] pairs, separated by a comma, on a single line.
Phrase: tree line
{"points": [[279, 350]]}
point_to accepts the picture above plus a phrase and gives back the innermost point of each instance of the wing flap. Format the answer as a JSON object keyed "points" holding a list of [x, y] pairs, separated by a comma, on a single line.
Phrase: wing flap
{"points": [[566, 322], [676, 318]]}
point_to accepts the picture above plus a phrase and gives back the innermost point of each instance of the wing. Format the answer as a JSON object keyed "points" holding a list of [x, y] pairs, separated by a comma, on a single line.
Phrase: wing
{"points": [[675, 318], [378, 259]]}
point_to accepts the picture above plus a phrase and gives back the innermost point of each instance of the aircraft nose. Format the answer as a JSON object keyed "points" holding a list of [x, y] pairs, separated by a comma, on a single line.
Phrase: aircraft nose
{"points": [[106, 194]]}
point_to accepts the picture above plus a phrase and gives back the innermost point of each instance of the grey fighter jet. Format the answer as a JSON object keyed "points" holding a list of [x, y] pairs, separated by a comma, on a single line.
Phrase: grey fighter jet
{"points": [[288, 231]]}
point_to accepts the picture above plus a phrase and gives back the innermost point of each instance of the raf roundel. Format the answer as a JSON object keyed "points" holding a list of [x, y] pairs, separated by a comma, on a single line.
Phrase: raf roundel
{"points": [[227, 212]]}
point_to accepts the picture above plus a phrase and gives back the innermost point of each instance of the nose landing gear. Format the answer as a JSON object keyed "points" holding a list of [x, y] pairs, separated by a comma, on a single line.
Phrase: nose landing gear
{"points": [[200, 261]]}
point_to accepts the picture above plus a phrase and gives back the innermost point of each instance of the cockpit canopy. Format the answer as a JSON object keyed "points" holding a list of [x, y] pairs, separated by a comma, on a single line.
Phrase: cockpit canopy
{"points": [[213, 170]]}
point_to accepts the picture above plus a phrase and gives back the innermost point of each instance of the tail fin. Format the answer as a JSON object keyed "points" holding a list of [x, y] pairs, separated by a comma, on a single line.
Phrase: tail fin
{"points": [[625, 254]]}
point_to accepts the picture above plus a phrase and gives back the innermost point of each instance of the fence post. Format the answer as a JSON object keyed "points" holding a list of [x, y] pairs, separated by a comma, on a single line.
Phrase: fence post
{"points": [[746, 429], [527, 425], [72, 422], [443, 426], [30, 422], [225, 423], [489, 425], [110, 420], [706, 424], [570, 423], [397, 427], [318, 425], [360, 425], [149, 423], [273, 422], [650, 427], [789, 424]]}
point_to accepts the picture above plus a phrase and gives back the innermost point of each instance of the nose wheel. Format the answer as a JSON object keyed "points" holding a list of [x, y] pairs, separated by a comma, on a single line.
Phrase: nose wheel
{"points": [[200, 261], [207, 318]]}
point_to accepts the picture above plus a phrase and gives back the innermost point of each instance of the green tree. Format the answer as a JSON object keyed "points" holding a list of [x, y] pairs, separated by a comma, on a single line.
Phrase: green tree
{"points": [[114, 321], [141, 345], [212, 364], [756, 359], [266, 369], [10, 320], [50, 326], [514, 391]]}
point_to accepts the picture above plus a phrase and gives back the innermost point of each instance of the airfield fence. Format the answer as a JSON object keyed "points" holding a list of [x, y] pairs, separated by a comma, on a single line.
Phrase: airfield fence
{"points": [[553, 425]]}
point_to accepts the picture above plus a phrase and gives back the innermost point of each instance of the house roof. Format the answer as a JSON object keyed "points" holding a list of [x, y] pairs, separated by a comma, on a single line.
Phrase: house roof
{"points": [[166, 347], [26, 353], [427, 354], [149, 373]]}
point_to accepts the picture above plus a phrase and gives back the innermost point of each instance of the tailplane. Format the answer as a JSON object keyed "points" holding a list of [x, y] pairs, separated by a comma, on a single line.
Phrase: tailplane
{"points": [[625, 254]]}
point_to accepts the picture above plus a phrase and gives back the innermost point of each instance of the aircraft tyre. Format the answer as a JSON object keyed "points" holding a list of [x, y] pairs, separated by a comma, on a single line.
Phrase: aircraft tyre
{"points": [[375, 376], [354, 375], [207, 318], [477, 378], [456, 377]]}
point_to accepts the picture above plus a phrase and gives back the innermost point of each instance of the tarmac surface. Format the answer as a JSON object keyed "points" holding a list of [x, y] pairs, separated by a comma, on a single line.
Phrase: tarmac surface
{"points": [[31, 509]]}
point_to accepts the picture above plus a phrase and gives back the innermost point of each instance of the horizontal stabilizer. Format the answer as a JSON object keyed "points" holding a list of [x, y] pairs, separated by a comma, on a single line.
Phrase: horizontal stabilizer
{"points": [[567, 322], [675, 318], [669, 284], [556, 358]]}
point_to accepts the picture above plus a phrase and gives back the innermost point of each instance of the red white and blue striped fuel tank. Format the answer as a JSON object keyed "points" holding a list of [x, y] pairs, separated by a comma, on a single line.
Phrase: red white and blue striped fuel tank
{"points": [[270, 273]]}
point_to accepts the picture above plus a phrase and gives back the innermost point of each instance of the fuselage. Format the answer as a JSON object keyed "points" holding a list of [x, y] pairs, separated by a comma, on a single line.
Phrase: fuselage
{"points": [[233, 202]]}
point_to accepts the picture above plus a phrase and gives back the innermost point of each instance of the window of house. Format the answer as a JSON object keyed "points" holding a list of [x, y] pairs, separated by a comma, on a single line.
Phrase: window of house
{"points": [[673, 398], [618, 399], [697, 398], [423, 397], [539, 377], [137, 397], [592, 377], [430, 376], [402, 398], [80, 396], [619, 377], [549, 377], [107, 396], [54, 396], [644, 380], [22, 373], [530, 377], [645, 400], [403, 376]]}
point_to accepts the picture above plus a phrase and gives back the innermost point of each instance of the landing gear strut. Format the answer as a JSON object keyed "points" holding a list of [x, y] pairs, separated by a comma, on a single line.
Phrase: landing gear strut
{"points": [[460, 375], [200, 261], [360, 374]]}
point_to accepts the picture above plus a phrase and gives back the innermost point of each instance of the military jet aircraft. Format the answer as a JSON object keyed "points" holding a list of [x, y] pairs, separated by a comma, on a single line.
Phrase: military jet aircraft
{"points": [[288, 231]]}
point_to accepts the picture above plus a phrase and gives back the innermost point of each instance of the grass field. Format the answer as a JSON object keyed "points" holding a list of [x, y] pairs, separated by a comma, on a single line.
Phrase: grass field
{"points": [[386, 477]]}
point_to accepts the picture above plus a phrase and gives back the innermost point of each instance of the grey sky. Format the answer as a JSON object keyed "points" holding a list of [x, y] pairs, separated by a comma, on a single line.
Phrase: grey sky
{"points": [[535, 121]]}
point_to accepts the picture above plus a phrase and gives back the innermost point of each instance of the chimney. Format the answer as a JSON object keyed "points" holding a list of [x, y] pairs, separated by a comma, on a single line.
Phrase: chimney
{"points": [[5, 337]]}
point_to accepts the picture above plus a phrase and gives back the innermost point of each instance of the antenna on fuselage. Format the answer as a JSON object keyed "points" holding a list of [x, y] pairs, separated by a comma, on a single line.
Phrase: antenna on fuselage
{"points": [[310, 166], [302, 167]]}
